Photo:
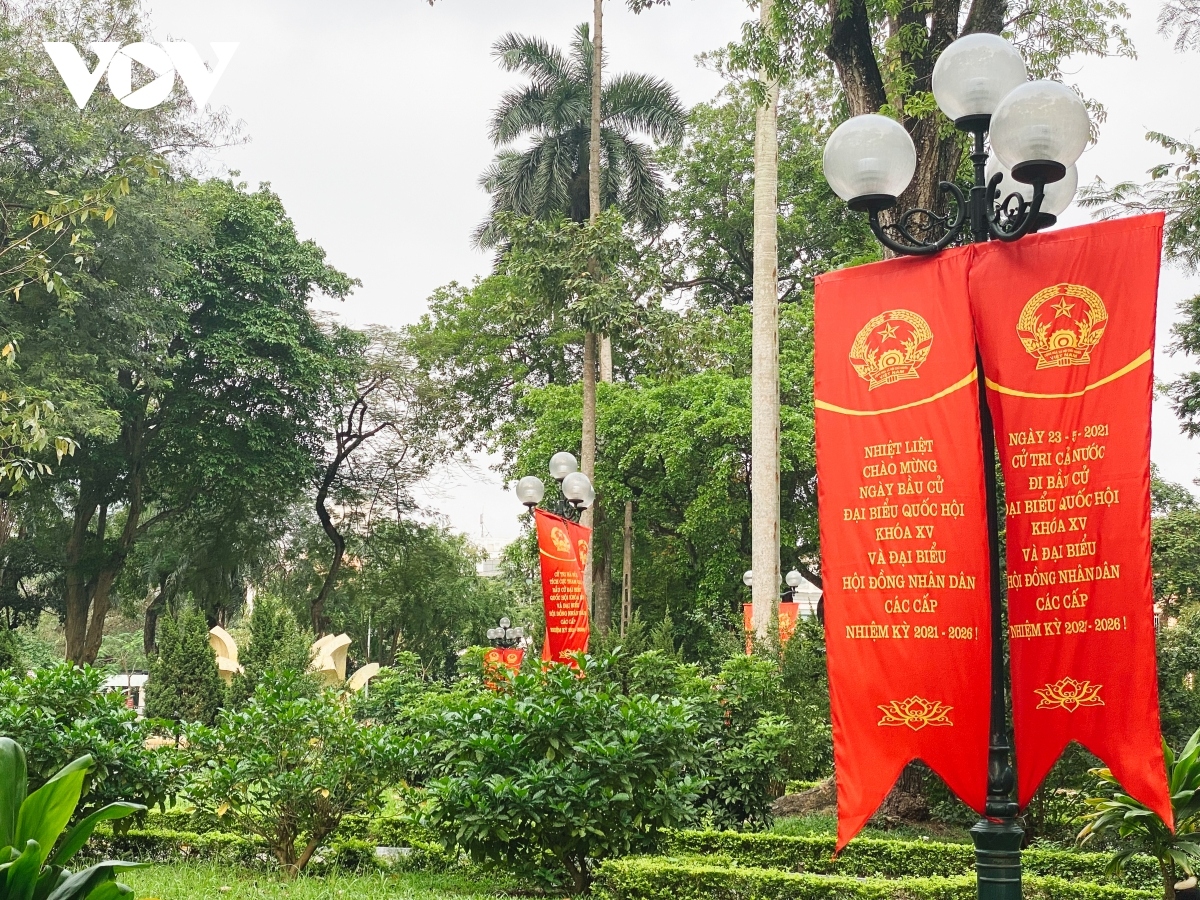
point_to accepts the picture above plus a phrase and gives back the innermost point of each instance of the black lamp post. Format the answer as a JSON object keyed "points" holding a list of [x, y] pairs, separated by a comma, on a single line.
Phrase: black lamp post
{"points": [[506, 635], [1037, 130]]}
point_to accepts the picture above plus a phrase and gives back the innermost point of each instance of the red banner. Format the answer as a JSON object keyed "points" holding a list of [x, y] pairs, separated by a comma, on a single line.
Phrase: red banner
{"points": [[498, 658], [789, 615], [563, 550], [1065, 324], [904, 558]]}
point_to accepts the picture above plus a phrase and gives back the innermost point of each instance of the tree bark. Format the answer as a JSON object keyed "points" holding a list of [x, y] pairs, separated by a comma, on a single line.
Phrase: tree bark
{"points": [[602, 548], [587, 461], [88, 592], [587, 456], [627, 570], [764, 377], [597, 85]]}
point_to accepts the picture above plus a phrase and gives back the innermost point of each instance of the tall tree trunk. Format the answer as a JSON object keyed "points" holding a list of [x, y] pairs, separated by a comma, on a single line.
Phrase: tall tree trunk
{"points": [[602, 546], [597, 85], [587, 462], [316, 609], [587, 456], [78, 597], [627, 570], [150, 621], [764, 376]]}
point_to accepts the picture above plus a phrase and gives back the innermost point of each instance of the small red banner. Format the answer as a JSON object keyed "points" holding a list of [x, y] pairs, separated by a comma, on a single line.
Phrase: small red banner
{"points": [[562, 551], [497, 658], [789, 615], [904, 558], [1065, 324]]}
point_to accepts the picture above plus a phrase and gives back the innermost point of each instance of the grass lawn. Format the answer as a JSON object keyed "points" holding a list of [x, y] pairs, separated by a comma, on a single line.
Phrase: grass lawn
{"points": [[193, 881], [802, 826]]}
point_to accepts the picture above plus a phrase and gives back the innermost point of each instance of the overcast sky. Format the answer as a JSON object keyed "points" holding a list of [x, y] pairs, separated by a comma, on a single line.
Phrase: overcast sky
{"points": [[368, 117]]}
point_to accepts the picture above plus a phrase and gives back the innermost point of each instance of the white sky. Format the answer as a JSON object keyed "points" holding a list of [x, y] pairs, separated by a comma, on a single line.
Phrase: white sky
{"points": [[368, 117]]}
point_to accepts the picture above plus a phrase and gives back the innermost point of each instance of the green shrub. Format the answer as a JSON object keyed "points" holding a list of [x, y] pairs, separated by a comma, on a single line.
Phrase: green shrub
{"points": [[394, 690], [289, 765], [11, 657], [555, 771], [185, 685], [1137, 829], [874, 858], [277, 643], [59, 714], [657, 878]]}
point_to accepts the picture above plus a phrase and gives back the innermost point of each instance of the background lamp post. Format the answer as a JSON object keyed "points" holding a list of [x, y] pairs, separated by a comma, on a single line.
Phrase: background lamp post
{"points": [[1037, 130], [506, 636], [803, 592]]}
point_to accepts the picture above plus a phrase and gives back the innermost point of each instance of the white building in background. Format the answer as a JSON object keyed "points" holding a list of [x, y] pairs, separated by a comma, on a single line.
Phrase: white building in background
{"points": [[489, 565], [133, 686]]}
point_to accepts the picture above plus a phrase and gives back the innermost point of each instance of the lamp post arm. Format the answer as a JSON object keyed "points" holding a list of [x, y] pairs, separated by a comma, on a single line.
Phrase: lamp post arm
{"points": [[1028, 212], [914, 246]]}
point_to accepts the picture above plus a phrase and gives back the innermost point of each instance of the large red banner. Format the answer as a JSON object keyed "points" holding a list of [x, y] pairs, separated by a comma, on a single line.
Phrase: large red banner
{"points": [[562, 551], [1065, 324], [904, 555]]}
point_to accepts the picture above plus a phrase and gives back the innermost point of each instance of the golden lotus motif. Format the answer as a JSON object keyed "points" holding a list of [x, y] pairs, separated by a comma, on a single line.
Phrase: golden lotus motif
{"points": [[1062, 324], [915, 712], [1069, 694], [891, 347]]}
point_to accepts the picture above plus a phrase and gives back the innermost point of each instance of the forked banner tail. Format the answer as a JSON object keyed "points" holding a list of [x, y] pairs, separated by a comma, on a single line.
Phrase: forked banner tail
{"points": [[1065, 323], [904, 558], [562, 551]]}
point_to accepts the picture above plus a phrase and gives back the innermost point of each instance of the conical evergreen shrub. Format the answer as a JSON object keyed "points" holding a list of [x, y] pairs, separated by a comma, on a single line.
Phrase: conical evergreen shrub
{"points": [[185, 684]]}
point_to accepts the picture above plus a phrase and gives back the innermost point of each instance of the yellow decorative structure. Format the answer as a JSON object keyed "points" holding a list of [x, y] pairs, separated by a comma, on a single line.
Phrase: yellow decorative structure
{"points": [[329, 658], [225, 648], [359, 679]]}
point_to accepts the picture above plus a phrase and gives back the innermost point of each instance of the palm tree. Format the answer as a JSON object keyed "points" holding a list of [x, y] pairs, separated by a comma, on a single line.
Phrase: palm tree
{"points": [[553, 111]]}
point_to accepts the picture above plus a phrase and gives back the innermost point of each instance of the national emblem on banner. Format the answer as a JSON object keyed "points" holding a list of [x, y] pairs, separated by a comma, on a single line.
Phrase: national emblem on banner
{"points": [[1061, 325], [891, 347]]}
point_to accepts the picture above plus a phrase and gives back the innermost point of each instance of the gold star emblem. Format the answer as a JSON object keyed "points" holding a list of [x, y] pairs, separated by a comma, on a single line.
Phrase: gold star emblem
{"points": [[889, 331], [1063, 308]]}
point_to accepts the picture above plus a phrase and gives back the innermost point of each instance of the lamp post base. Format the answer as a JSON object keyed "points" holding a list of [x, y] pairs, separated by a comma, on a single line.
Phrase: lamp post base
{"points": [[998, 858]]}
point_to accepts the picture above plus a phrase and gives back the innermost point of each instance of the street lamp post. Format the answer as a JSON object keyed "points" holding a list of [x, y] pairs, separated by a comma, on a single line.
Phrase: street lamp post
{"points": [[1036, 130], [506, 635], [804, 593], [576, 492]]}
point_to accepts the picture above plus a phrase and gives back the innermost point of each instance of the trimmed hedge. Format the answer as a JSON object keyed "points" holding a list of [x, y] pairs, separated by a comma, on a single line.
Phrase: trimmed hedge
{"points": [[161, 845], [346, 852], [875, 858], [659, 878]]}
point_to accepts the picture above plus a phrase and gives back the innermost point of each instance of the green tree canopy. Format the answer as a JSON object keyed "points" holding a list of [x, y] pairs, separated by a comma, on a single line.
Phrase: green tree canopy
{"points": [[711, 201]]}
